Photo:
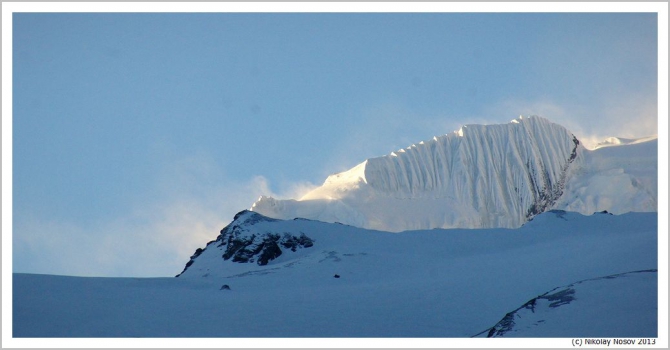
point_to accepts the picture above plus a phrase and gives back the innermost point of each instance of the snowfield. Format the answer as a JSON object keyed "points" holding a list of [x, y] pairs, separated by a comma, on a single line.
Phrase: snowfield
{"points": [[352, 282]]}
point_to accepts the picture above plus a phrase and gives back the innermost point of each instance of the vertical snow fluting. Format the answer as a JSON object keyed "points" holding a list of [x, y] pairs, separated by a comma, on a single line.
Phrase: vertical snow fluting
{"points": [[479, 176], [517, 170]]}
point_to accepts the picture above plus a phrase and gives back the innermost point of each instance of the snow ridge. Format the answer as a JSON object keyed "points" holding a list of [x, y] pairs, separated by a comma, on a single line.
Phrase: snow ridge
{"points": [[521, 165], [242, 242], [479, 176], [535, 312], [361, 283]]}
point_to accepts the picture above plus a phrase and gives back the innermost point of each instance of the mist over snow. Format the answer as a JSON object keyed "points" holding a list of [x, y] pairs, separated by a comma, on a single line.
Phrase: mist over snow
{"points": [[509, 230], [242, 101], [591, 276], [276, 177]]}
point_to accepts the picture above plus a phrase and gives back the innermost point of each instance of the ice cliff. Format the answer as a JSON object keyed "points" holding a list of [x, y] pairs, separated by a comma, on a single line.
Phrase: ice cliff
{"points": [[480, 176]]}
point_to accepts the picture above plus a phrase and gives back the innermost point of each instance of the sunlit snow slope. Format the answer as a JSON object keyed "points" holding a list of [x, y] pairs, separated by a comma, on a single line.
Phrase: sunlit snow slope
{"points": [[618, 178], [482, 176]]}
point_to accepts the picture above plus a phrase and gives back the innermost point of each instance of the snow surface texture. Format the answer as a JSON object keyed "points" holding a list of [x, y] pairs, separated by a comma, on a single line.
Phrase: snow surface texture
{"points": [[627, 308], [619, 141], [481, 176], [353, 282], [618, 179]]}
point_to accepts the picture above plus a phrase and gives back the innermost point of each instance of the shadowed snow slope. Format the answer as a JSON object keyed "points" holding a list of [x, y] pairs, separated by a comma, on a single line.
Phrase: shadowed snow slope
{"points": [[353, 282], [627, 299], [479, 176]]}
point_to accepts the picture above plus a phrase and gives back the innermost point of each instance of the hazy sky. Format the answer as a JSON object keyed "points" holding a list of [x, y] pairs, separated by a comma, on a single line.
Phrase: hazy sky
{"points": [[137, 137]]}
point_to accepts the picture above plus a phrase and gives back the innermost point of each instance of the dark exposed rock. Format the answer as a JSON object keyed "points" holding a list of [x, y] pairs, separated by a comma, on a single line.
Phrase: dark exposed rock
{"points": [[192, 259], [506, 324], [293, 242], [556, 297], [562, 297], [242, 245], [262, 248], [545, 192], [269, 252]]}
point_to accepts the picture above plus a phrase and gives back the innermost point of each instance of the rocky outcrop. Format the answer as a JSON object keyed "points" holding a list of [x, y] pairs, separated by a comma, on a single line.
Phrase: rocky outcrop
{"points": [[242, 243], [261, 248], [522, 318]]}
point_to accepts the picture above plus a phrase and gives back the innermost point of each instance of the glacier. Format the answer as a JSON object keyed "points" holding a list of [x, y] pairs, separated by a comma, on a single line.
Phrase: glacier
{"points": [[480, 176], [617, 178]]}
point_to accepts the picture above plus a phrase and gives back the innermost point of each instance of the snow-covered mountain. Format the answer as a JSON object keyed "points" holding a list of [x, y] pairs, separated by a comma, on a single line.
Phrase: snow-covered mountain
{"points": [[526, 261], [481, 176], [344, 281]]}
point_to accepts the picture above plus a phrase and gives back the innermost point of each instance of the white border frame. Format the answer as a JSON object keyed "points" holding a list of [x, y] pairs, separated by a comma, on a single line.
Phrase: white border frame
{"points": [[8, 9]]}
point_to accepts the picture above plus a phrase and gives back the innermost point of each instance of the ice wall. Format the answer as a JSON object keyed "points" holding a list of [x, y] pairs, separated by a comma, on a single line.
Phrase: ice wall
{"points": [[477, 177]]}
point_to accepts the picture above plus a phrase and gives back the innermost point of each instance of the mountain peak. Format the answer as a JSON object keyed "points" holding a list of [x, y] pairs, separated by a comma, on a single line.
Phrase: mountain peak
{"points": [[250, 238], [481, 176], [248, 217]]}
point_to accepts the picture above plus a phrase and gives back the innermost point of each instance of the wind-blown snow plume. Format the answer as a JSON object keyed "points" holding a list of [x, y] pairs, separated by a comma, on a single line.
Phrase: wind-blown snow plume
{"points": [[482, 176]]}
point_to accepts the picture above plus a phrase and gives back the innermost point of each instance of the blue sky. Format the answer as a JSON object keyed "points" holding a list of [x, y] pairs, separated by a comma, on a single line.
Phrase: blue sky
{"points": [[137, 137]]}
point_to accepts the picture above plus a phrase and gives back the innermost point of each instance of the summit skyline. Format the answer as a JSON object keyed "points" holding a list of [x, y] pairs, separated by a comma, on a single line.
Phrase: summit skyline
{"points": [[153, 129]]}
